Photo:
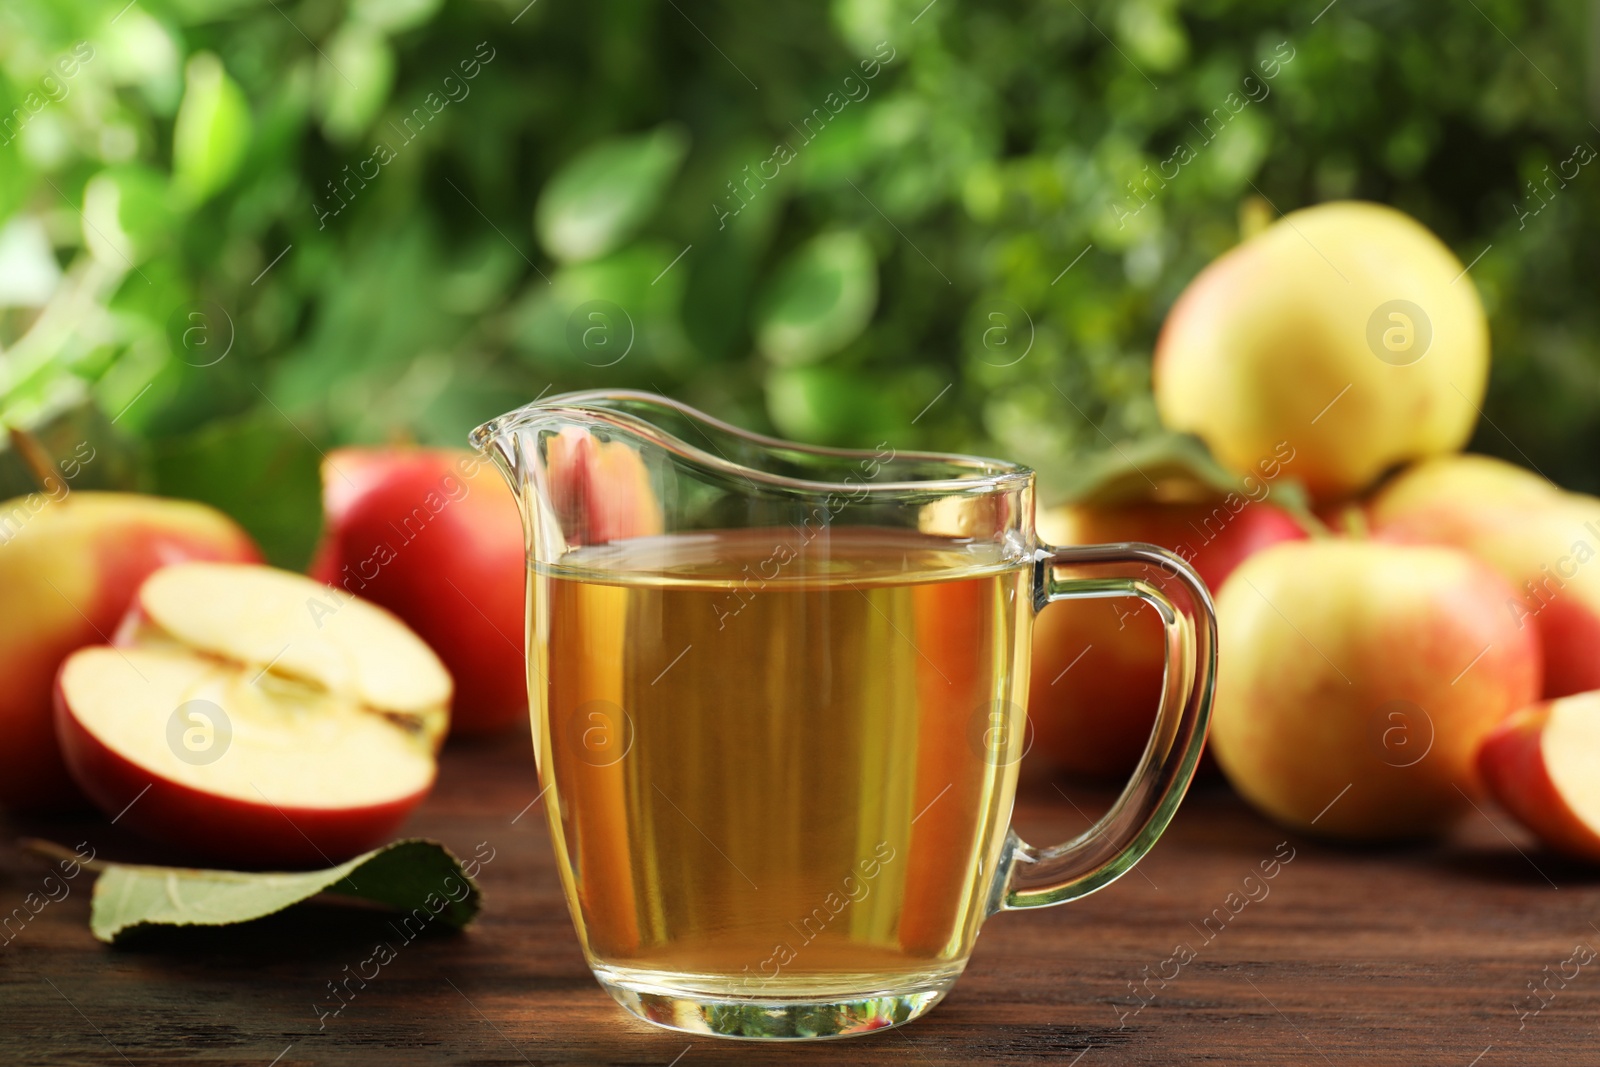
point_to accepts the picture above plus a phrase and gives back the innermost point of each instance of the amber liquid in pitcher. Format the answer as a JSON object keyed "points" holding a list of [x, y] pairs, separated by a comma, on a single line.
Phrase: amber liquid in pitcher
{"points": [[780, 762]]}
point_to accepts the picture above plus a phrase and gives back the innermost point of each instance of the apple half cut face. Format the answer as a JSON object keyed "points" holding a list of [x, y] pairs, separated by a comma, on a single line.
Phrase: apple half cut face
{"points": [[1543, 765], [254, 716]]}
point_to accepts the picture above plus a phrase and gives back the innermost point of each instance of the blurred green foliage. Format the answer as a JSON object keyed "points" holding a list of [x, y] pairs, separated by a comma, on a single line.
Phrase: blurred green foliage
{"points": [[233, 233]]}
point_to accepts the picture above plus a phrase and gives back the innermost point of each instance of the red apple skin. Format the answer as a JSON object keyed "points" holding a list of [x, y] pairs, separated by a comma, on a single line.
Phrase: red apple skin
{"points": [[600, 490], [1570, 632], [1096, 718], [66, 579], [434, 536], [221, 829], [1511, 763]]}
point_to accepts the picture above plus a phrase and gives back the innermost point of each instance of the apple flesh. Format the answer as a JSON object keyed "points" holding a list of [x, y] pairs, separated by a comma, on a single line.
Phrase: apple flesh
{"points": [[433, 535], [1293, 336], [1356, 680], [68, 569], [1097, 664], [1543, 765], [240, 720], [1545, 541]]}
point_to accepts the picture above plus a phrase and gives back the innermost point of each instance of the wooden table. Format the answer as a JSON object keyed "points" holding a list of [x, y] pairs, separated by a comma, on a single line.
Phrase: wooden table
{"points": [[1413, 956]]}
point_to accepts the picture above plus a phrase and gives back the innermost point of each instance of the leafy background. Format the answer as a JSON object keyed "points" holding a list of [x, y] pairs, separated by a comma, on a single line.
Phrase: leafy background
{"points": [[943, 265]]}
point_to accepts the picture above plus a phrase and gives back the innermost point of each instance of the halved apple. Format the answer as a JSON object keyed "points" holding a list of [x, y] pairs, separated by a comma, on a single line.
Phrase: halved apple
{"points": [[254, 716], [1543, 765]]}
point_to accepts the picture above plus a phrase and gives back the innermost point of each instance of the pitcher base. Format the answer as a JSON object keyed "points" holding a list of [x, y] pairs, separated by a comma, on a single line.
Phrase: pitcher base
{"points": [[764, 1019]]}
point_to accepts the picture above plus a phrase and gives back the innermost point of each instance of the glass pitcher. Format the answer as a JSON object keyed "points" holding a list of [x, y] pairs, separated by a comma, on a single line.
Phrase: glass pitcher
{"points": [[778, 698]]}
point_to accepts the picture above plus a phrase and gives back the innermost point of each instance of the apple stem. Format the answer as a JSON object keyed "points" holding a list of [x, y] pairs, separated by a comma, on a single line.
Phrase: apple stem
{"points": [[1310, 523], [1353, 520], [38, 462], [49, 850], [1255, 215]]}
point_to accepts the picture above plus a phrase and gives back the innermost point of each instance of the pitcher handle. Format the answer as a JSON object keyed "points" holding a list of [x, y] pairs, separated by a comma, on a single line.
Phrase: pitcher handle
{"points": [[1038, 877]]}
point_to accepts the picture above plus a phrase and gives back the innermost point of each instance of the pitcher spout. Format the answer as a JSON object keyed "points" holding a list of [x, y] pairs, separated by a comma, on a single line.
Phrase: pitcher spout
{"points": [[579, 479], [595, 467]]}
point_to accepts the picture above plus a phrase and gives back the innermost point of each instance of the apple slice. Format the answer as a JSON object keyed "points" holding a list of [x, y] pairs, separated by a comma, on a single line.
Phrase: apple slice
{"points": [[1543, 765], [254, 716]]}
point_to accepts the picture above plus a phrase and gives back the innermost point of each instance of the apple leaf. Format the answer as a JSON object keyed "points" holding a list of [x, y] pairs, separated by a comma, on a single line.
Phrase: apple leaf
{"points": [[819, 300], [407, 876], [1176, 468], [212, 131], [595, 202]]}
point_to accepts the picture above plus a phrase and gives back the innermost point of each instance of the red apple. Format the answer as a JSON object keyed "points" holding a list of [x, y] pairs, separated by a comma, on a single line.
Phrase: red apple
{"points": [[1543, 765], [434, 536], [1096, 676], [1545, 541], [68, 567], [254, 717], [1356, 680], [600, 490]]}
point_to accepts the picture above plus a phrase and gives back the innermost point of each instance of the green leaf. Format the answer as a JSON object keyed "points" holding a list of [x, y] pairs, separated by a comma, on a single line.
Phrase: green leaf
{"points": [[257, 468], [819, 301], [29, 272], [829, 406], [354, 82], [1170, 467], [1153, 32], [394, 16], [600, 198], [406, 876], [126, 215], [16, 178], [593, 312], [136, 49], [212, 131]]}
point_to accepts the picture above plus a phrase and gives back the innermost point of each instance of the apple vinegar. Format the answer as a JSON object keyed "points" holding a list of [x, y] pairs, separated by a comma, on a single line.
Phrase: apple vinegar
{"points": [[770, 756]]}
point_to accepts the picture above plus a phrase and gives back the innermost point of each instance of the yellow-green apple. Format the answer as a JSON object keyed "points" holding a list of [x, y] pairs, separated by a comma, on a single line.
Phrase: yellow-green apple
{"points": [[433, 535], [69, 565], [1347, 330], [1356, 680], [1542, 539], [1543, 765], [255, 717], [1097, 664]]}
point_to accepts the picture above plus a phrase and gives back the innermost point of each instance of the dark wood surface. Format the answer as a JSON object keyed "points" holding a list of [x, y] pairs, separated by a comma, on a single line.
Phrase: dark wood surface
{"points": [[1413, 956]]}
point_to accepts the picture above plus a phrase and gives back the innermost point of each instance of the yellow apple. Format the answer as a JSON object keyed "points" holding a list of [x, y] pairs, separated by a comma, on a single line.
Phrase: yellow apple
{"points": [[1347, 330], [1464, 480]]}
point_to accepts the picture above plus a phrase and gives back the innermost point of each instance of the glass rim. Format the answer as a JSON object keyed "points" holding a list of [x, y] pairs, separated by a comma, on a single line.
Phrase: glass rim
{"points": [[983, 475]]}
